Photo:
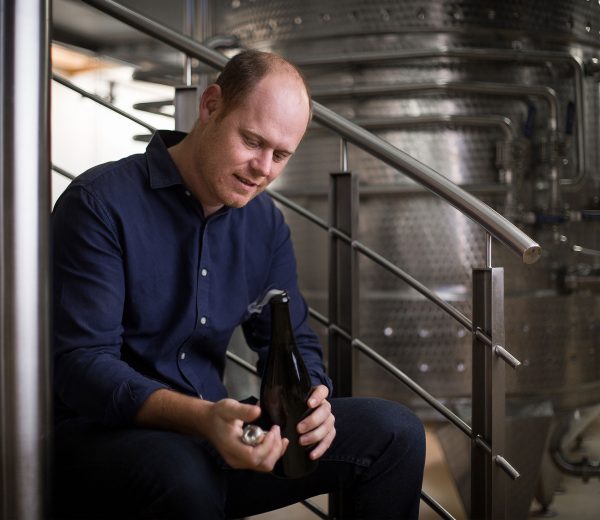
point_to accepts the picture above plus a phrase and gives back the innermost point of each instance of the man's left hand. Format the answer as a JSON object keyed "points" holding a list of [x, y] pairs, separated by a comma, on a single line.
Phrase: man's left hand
{"points": [[318, 427]]}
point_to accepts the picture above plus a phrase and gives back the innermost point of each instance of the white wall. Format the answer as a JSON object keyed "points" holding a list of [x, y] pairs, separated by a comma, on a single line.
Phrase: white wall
{"points": [[85, 133]]}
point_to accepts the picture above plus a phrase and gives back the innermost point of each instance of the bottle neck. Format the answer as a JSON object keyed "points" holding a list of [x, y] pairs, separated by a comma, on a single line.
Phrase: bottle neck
{"points": [[281, 325]]}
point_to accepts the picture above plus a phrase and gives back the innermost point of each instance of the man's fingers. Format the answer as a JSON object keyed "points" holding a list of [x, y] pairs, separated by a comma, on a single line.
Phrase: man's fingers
{"points": [[232, 410], [315, 418], [323, 446], [267, 454], [317, 396]]}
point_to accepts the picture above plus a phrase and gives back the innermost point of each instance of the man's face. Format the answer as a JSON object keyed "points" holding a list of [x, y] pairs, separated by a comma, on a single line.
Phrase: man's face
{"points": [[241, 153]]}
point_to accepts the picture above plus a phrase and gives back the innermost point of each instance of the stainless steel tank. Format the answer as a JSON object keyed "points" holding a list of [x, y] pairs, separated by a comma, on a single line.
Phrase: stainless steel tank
{"points": [[504, 102]]}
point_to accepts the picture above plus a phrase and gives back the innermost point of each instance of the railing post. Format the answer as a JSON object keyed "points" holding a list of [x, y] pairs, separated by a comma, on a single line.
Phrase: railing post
{"points": [[24, 259], [488, 484], [343, 293]]}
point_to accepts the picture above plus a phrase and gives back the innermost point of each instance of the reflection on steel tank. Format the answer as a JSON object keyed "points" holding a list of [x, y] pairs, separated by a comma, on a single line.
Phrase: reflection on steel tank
{"points": [[501, 98]]}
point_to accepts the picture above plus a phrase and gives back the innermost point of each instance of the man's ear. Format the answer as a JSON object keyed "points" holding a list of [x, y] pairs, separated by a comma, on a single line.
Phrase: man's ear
{"points": [[210, 102]]}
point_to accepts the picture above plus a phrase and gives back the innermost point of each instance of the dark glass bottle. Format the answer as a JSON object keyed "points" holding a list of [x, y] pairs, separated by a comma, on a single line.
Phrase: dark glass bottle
{"points": [[285, 389]]}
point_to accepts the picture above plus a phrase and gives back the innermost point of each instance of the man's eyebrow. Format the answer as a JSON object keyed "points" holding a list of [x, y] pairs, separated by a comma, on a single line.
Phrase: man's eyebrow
{"points": [[262, 140]]}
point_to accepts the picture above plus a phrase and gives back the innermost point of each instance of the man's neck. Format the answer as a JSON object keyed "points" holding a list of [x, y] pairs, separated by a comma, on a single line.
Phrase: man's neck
{"points": [[180, 155]]}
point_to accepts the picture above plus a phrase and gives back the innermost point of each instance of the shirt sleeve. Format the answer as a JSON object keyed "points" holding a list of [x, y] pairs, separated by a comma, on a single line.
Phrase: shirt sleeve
{"points": [[90, 379], [282, 275]]}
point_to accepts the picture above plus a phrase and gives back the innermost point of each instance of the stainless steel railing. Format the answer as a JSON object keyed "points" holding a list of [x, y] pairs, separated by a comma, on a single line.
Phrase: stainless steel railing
{"points": [[492, 222]]}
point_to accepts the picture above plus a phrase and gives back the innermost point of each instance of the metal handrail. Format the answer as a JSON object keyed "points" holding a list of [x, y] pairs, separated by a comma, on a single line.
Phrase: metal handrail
{"points": [[379, 260], [519, 56], [499, 227]]}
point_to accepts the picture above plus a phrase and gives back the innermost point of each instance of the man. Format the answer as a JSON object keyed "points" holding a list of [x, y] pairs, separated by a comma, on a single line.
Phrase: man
{"points": [[157, 258]]}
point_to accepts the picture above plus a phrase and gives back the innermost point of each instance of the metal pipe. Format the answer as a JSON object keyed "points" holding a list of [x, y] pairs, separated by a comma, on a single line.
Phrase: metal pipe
{"points": [[496, 89], [497, 225], [24, 258], [436, 506], [343, 155], [160, 32], [99, 100], [420, 391], [488, 250], [241, 362], [393, 123], [62, 172], [521, 56], [189, 30]]}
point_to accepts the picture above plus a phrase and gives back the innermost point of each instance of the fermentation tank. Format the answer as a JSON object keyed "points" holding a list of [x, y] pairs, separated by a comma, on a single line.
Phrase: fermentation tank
{"points": [[501, 98]]}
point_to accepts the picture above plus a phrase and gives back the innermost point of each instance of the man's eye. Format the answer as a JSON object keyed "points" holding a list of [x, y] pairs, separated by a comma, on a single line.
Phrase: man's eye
{"points": [[278, 157], [252, 143]]}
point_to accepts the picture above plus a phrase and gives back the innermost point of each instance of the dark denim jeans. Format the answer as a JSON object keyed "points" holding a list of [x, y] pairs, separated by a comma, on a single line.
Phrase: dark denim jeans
{"points": [[376, 459]]}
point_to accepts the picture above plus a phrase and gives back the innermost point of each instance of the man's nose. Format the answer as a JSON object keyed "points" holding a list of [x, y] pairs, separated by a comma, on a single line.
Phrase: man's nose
{"points": [[261, 163]]}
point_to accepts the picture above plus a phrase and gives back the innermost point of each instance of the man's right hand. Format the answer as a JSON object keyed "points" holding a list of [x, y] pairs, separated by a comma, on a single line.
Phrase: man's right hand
{"points": [[224, 428], [221, 423]]}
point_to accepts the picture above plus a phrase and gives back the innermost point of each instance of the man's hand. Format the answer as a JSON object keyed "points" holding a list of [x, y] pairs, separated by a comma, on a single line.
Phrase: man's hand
{"points": [[224, 427], [221, 423], [318, 427]]}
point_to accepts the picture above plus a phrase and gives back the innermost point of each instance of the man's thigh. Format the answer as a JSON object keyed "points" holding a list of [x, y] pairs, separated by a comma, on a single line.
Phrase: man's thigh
{"points": [[135, 473]]}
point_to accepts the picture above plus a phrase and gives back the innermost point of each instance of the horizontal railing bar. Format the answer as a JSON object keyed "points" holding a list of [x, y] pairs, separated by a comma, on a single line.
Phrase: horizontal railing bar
{"points": [[64, 173], [504, 231], [380, 260], [506, 467], [483, 337], [299, 209], [436, 506], [99, 100], [415, 284], [318, 316], [315, 509], [507, 356], [242, 362], [420, 391]]}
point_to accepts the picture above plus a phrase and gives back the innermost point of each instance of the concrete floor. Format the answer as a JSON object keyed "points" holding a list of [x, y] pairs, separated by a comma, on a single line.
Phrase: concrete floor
{"points": [[576, 500]]}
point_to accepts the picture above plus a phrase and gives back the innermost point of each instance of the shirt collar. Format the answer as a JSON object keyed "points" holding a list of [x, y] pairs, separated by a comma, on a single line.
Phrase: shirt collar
{"points": [[161, 168]]}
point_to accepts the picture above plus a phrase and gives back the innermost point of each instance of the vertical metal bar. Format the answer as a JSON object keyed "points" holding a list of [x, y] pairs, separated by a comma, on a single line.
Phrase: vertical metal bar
{"points": [[189, 31], [24, 295], [488, 484], [186, 103], [343, 298], [343, 155], [488, 250]]}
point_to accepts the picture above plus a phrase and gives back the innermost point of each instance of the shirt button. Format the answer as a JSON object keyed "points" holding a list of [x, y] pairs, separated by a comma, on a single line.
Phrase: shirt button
{"points": [[187, 192], [182, 355], [203, 320], [204, 272]]}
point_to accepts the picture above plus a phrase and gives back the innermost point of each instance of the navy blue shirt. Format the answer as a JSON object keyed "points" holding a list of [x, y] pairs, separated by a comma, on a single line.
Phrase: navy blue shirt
{"points": [[147, 291]]}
